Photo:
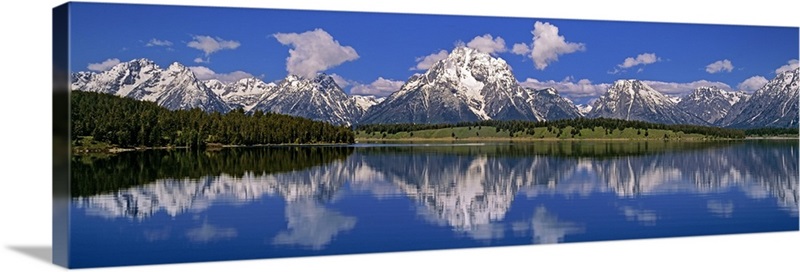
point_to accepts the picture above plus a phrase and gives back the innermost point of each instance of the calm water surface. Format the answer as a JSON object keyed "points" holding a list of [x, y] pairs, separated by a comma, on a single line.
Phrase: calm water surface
{"points": [[182, 206]]}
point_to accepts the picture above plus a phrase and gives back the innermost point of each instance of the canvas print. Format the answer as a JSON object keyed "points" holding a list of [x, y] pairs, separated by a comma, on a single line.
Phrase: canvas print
{"points": [[207, 134]]}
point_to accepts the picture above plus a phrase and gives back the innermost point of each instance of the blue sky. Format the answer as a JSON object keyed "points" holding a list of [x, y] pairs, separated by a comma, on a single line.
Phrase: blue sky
{"points": [[374, 53]]}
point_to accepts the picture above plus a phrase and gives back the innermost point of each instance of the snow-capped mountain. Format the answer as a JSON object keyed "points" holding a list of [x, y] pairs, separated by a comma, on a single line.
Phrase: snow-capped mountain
{"points": [[635, 100], [243, 93], [774, 105], [584, 109], [174, 88], [216, 86], [466, 86], [318, 98], [711, 104], [552, 106], [364, 102]]}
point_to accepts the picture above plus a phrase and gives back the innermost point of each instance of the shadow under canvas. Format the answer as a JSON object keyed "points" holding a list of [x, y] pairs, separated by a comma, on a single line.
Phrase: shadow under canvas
{"points": [[42, 253]]}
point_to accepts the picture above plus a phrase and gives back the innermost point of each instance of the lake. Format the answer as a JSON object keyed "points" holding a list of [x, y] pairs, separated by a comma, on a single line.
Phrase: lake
{"points": [[266, 202]]}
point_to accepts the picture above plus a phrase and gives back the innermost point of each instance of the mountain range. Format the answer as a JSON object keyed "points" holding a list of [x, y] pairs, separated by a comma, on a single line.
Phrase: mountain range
{"points": [[467, 85]]}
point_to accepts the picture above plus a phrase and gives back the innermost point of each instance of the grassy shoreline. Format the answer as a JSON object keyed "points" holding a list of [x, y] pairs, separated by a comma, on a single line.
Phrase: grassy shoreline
{"points": [[787, 137], [88, 146], [483, 134], [529, 139]]}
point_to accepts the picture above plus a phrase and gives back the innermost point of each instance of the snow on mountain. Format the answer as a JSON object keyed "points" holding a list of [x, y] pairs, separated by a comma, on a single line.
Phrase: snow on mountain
{"points": [[245, 92], [216, 86], [180, 195], [468, 192], [319, 98], [466, 86], [774, 105], [584, 109], [711, 104], [134, 79], [364, 102], [552, 106], [174, 88], [181, 90], [635, 100]]}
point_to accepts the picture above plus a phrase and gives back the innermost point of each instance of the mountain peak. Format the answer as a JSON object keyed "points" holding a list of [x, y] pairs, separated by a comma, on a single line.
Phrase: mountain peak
{"points": [[142, 61], [317, 98], [773, 105], [176, 66], [466, 86], [785, 81], [141, 79], [706, 92], [629, 83], [464, 51], [293, 78], [631, 99], [141, 64], [552, 106], [466, 56], [325, 80], [710, 103], [549, 91]]}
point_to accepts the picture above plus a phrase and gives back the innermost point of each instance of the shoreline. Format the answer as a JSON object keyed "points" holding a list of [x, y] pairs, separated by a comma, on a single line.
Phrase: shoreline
{"points": [[796, 138], [116, 150], [209, 147], [528, 139]]}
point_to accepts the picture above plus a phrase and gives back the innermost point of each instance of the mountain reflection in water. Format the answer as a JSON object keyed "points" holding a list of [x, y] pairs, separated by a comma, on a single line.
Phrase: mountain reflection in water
{"points": [[492, 194]]}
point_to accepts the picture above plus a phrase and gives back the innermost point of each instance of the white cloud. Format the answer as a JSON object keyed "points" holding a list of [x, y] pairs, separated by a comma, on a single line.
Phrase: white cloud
{"points": [[548, 45], [546, 228], [719, 66], [380, 87], [752, 84], [488, 44], [314, 51], [645, 217], [199, 60], [641, 59], [520, 49], [209, 44], [425, 62], [311, 225], [103, 66], [720, 209], [680, 89], [157, 42], [207, 233], [791, 65], [568, 87], [204, 73], [584, 88]]}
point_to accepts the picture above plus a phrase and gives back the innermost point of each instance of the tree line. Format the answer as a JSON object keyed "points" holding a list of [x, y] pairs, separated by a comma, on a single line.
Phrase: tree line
{"points": [[771, 131], [127, 122], [515, 126]]}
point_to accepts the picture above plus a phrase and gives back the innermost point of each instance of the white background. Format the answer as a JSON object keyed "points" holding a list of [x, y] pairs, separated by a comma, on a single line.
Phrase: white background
{"points": [[25, 137]]}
